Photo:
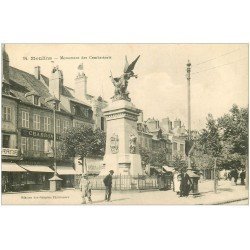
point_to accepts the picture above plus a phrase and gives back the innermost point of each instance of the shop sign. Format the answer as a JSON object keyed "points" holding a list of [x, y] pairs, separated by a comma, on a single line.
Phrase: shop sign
{"points": [[39, 134]]}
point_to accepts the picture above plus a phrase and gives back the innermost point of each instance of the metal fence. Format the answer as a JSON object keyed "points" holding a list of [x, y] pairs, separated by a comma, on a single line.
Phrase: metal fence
{"points": [[124, 182]]}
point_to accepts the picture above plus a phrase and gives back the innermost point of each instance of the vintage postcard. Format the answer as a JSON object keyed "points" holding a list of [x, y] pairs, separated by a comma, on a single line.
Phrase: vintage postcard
{"points": [[124, 124]]}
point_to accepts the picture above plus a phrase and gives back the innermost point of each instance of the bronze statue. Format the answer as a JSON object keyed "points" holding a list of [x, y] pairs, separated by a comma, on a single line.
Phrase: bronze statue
{"points": [[121, 83]]}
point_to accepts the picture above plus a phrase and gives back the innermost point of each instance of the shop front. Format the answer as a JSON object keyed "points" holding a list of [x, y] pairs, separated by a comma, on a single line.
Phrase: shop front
{"points": [[14, 177], [37, 176]]}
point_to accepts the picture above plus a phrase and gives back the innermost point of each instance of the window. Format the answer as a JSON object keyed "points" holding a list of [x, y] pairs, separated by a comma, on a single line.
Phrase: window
{"points": [[24, 144], [58, 127], [6, 113], [5, 89], [36, 144], [36, 100], [175, 146], [77, 124], [25, 119], [182, 148], [6, 141], [65, 125], [47, 123], [102, 123], [36, 122], [86, 112], [48, 146], [56, 106]]}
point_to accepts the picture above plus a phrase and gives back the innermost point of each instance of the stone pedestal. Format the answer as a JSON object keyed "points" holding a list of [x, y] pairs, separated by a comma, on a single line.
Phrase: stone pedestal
{"points": [[55, 183], [122, 152], [195, 181]]}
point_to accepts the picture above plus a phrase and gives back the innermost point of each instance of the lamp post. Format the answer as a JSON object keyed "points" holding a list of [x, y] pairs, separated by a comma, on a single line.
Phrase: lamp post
{"points": [[193, 176], [55, 181], [188, 99]]}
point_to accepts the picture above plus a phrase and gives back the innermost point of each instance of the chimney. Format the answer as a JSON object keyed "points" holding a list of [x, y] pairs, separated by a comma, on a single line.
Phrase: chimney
{"points": [[37, 72], [170, 125], [81, 86], [56, 82], [177, 123]]}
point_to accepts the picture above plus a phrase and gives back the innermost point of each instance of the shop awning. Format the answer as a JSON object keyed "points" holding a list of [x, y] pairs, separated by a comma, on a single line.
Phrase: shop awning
{"points": [[66, 170], [11, 167], [168, 169], [38, 168]]}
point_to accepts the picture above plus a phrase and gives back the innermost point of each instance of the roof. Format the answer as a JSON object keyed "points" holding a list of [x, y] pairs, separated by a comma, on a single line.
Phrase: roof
{"points": [[23, 82], [68, 92], [45, 79], [80, 102]]}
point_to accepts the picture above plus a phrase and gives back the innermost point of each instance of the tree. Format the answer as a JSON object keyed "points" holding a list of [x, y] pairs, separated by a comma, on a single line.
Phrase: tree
{"points": [[201, 160], [234, 127], [179, 162], [158, 157], [145, 155], [82, 142], [210, 142], [235, 130]]}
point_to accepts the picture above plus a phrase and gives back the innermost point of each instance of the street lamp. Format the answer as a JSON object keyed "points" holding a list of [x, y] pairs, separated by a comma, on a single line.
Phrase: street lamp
{"points": [[188, 99], [193, 176], [55, 181]]}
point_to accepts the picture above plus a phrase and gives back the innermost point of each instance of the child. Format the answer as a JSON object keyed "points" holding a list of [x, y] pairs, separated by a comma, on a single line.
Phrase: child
{"points": [[85, 187]]}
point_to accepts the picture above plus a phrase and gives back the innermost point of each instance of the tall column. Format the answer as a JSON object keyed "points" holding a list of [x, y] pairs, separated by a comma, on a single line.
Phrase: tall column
{"points": [[188, 99]]}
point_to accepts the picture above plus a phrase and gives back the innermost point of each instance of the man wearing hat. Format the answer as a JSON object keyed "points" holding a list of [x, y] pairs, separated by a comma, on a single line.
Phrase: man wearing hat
{"points": [[85, 187], [108, 185]]}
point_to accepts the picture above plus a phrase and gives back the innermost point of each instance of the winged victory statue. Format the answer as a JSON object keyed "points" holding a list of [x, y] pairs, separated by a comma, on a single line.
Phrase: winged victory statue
{"points": [[121, 83]]}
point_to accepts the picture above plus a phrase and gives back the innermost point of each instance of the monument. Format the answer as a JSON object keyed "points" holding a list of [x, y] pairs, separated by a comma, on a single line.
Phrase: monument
{"points": [[122, 151]]}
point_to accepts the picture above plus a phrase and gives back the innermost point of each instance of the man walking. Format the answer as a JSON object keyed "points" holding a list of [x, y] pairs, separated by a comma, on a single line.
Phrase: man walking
{"points": [[108, 185]]}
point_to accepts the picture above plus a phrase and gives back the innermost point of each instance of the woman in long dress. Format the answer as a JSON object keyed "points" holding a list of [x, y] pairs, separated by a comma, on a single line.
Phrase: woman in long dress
{"points": [[176, 181]]}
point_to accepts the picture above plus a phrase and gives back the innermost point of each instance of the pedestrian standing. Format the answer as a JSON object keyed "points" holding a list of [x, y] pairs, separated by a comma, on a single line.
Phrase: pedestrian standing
{"points": [[85, 187], [176, 182], [108, 185], [236, 175], [186, 183], [242, 177]]}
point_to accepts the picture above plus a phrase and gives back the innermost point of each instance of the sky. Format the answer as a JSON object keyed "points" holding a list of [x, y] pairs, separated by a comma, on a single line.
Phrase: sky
{"points": [[219, 74]]}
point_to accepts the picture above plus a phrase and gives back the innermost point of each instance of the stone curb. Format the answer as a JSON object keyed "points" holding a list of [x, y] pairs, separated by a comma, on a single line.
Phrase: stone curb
{"points": [[228, 201]]}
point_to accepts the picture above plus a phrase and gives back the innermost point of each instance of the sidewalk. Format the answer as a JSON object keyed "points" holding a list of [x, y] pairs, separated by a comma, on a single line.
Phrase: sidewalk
{"points": [[226, 193]]}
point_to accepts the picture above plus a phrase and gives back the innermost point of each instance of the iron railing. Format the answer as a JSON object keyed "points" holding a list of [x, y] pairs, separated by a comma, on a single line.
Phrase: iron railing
{"points": [[123, 182]]}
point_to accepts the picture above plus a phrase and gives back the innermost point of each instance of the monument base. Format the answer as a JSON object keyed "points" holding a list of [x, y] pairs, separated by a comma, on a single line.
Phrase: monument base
{"points": [[128, 164]]}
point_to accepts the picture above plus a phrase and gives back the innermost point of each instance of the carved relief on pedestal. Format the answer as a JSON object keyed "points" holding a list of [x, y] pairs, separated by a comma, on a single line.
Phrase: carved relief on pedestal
{"points": [[114, 144]]}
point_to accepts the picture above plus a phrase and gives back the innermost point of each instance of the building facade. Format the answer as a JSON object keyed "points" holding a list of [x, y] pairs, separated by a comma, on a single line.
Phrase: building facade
{"points": [[177, 134], [28, 125]]}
